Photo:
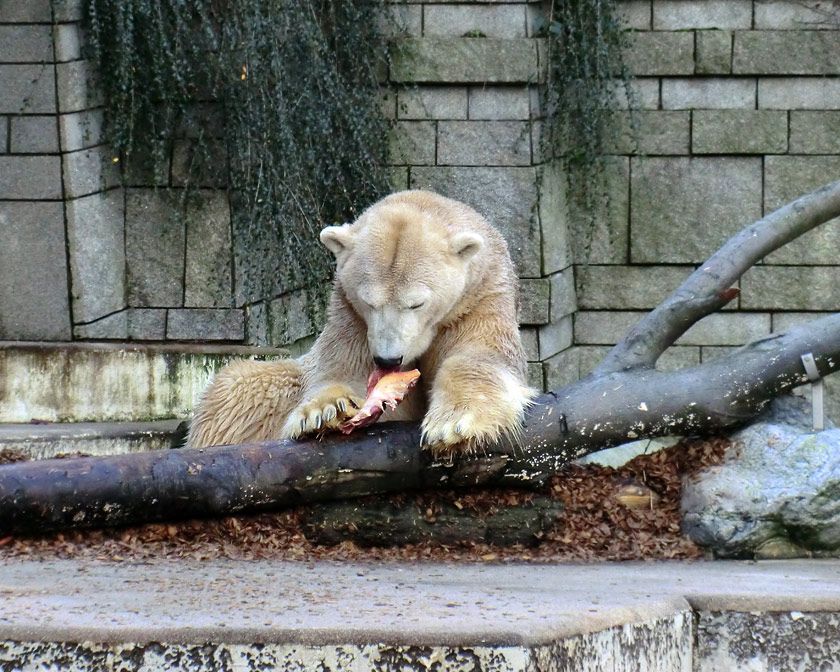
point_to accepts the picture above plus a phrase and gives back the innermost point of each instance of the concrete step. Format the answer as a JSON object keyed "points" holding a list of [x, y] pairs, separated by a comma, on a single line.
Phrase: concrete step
{"points": [[109, 382], [202, 616], [43, 441]]}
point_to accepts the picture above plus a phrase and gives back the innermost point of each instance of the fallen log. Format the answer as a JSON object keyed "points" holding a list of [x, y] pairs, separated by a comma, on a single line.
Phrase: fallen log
{"points": [[624, 399]]}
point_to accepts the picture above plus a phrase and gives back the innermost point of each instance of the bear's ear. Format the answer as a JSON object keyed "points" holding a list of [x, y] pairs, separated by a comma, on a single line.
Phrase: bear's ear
{"points": [[465, 244], [337, 239]]}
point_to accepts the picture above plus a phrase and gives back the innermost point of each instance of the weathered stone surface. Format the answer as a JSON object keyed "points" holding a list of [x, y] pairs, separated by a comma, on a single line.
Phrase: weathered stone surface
{"points": [[534, 376], [713, 52], [451, 60], [89, 170], [639, 94], [748, 640], [68, 42], [80, 130], [553, 214], [26, 44], [786, 178], [562, 369], [291, 318], [402, 20], [534, 301], [432, 102], [793, 14], [739, 132], [727, 329], [146, 324], [72, 657], [530, 343], [4, 135], [623, 287], [650, 132], [34, 135], [682, 14], [683, 209], [788, 320], [674, 358], [256, 324], [68, 10], [563, 295], [101, 382], [96, 241], [799, 93], [779, 483], [30, 177], [475, 20], [27, 89], [484, 143], [499, 102], [207, 279], [556, 336], [635, 14], [413, 143], [660, 53], [815, 132], [507, 197], [599, 230], [786, 52], [77, 87], [34, 297], [399, 177], [791, 288], [708, 94], [112, 327], [603, 327], [205, 324], [154, 245], [31, 11], [607, 327]]}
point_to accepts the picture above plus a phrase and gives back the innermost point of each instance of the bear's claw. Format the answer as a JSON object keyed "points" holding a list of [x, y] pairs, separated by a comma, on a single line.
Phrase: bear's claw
{"points": [[325, 410]]}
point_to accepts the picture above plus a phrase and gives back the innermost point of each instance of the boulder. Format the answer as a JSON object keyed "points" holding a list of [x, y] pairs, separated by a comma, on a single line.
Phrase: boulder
{"points": [[777, 493]]}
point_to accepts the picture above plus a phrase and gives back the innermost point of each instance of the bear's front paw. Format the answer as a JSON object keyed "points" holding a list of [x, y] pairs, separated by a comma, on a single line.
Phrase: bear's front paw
{"points": [[326, 410], [453, 433]]}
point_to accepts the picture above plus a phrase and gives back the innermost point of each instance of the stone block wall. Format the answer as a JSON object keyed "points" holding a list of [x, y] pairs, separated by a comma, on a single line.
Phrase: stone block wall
{"points": [[737, 111]]}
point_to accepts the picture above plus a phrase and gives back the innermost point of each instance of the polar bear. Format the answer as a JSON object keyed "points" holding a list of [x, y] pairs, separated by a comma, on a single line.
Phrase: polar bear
{"points": [[421, 281]]}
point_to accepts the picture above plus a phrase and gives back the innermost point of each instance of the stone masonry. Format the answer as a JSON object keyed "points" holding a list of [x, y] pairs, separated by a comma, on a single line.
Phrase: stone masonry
{"points": [[735, 111]]}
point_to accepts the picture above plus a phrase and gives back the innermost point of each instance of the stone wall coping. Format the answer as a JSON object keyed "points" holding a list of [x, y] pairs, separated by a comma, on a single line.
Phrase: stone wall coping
{"points": [[392, 603], [47, 347]]}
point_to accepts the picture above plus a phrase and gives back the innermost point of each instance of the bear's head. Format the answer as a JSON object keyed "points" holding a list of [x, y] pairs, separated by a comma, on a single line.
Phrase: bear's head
{"points": [[404, 268]]}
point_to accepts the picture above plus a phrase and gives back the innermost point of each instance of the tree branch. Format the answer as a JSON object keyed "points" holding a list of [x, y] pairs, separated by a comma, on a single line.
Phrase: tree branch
{"points": [[589, 415], [708, 288]]}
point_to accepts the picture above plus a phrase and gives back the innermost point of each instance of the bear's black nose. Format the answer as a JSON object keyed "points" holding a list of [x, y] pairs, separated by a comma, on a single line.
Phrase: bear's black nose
{"points": [[390, 363]]}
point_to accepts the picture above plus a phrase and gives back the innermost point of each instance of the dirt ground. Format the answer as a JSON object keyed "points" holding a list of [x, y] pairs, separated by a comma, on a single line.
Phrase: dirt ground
{"points": [[630, 513]]}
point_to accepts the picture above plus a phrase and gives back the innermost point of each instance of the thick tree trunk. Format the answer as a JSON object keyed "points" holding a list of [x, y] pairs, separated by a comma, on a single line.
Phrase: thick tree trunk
{"points": [[624, 399]]}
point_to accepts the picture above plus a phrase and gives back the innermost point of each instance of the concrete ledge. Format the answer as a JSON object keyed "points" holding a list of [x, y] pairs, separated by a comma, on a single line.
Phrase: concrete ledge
{"points": [[109, 382], [42, 442], [290, 616]]}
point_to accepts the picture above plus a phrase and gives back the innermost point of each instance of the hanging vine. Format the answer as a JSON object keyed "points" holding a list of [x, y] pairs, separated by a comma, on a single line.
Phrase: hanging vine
{"points": [[278, 100], [585, 72]]}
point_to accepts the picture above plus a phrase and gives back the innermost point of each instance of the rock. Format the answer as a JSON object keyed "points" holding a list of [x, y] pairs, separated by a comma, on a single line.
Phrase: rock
{"points": [[777, 494]]}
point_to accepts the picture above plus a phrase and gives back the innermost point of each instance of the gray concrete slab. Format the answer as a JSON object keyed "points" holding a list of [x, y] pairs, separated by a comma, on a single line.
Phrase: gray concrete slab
{"points": [[43, 441], [191, 602]]}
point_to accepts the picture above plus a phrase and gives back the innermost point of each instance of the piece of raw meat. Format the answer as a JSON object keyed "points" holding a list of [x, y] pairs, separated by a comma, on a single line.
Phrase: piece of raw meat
{"points": [[385, 390]]}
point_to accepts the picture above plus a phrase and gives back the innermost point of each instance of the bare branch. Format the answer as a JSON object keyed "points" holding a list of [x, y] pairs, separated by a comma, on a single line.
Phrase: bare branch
{"points": [[709, 288]]}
